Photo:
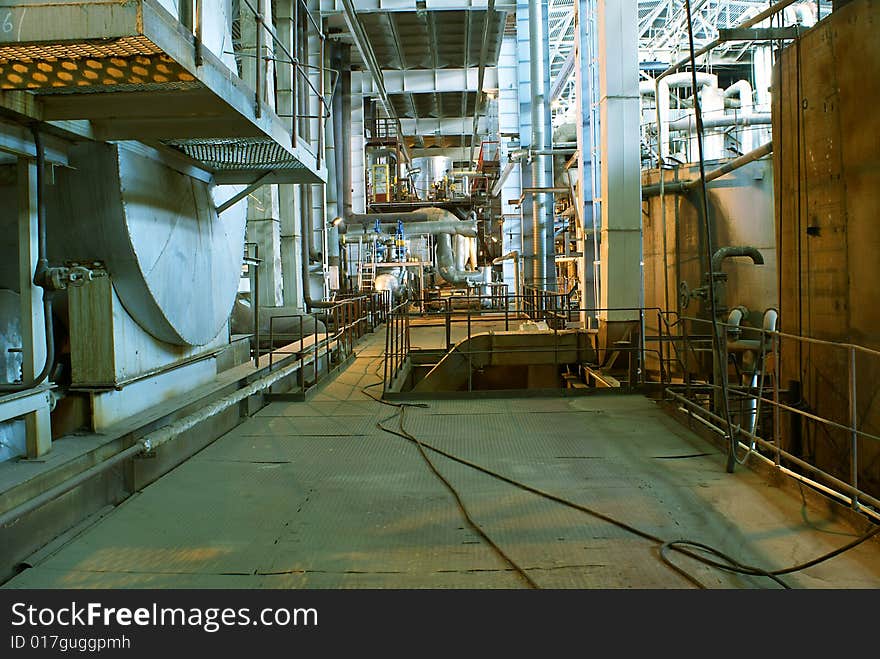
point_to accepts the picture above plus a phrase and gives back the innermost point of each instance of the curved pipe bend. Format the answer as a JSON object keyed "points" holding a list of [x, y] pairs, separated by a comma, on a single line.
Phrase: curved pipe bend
{"points": [[732, 251]]}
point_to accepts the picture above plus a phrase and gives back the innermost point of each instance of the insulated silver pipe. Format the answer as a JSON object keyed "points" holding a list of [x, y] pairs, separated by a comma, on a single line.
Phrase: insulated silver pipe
{"points": [[446, 263], [541, 236], [338, 164], [345, 142]]}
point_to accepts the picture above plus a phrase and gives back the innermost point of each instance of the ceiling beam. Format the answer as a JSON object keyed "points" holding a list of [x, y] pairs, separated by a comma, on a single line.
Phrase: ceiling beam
{"points": [[362, 43]]}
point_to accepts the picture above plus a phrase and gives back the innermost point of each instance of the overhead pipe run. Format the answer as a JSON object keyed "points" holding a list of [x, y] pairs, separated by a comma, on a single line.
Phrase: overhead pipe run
{"points": [[481, 72], [662, 91], [365, 48], [441, 224], [679, 187], [755, 20], [688, 123]]}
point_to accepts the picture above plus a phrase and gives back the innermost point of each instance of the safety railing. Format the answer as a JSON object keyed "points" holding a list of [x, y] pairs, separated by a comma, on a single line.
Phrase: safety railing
{"points": [[772, 422], [839, 428], [377, 305], [551, 307], [298, 64], [324, 338], [478, 313], [397, 343]]}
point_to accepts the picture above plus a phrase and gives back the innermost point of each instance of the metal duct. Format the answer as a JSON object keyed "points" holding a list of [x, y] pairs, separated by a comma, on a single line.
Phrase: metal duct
{"points": [[420, 221], [290, 324], [174, 264]]}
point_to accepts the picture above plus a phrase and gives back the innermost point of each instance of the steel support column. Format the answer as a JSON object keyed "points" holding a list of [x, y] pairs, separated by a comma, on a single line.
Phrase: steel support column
{"points": [[590, 214], [621, 239]]}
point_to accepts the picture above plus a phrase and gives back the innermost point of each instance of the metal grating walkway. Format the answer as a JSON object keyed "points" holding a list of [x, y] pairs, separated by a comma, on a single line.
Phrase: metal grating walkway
{"points": [[313, 495]]}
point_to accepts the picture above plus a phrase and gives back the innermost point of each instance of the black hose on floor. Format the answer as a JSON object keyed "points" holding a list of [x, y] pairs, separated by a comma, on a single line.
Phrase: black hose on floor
{"points": [[696, 550]]}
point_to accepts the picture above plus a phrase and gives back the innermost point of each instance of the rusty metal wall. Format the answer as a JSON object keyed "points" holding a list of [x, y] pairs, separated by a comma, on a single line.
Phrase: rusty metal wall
{"points": [[827, 138]]}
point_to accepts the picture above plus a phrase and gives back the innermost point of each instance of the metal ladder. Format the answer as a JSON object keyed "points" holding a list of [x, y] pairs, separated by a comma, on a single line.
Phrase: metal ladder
{"points": [[366, 268]]}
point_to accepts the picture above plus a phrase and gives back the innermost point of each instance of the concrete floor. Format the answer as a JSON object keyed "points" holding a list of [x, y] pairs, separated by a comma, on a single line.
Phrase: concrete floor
{"points": [[314, 495]]}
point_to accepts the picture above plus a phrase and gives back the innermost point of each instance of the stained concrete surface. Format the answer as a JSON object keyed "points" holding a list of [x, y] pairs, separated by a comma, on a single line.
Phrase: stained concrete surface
{"points": [[315, 495]]}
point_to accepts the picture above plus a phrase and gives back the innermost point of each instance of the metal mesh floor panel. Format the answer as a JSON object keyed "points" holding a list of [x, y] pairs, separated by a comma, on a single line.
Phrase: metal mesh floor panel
{"points": [[236, 154], [122, 47]]}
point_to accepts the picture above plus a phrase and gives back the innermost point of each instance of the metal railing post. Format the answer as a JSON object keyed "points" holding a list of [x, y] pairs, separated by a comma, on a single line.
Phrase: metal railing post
{"points": [[255, 298], [302, 367], [258, 60], [854, 422], [385, 367], [777, 411], [448, 324]]}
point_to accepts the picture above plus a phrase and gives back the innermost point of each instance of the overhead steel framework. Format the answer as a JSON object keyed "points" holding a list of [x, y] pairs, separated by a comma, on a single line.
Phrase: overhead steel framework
{"points": [[137, 72], [662, 35]]}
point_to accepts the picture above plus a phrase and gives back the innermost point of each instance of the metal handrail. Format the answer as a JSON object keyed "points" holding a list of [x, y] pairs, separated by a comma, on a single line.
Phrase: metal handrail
{"points": [[477, 313], [260, 89], [773, 339], [350, 319]]}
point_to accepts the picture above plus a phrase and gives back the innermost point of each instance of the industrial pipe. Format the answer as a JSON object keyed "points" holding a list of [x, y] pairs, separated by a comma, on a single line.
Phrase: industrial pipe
{"points": [[542, 237], [41, 275], [336, 121], [345, 93], [369, 218], [446, 263], [736, 250], [742, 90], [663, 87], [513, 256], [754, 20], [306, 249], [688, 123], [736, 163]]}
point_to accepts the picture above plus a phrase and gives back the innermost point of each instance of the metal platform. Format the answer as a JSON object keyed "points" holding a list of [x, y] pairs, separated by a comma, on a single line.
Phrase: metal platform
{"points": [[136, 73]]}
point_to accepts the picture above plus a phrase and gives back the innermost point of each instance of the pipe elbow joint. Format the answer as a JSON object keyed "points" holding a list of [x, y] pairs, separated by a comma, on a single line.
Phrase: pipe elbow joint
{"points": [[732, 251]]}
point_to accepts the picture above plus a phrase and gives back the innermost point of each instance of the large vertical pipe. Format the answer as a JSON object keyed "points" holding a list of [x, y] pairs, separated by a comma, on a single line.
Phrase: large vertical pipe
{"points": [[540, 231], [345, 145], [335, 187]]}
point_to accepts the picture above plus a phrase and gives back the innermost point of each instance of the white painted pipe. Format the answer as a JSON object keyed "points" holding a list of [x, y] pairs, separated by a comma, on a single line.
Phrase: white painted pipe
{"points": [[462, 252], [676, 80], [742, 90], [754, 119]]}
